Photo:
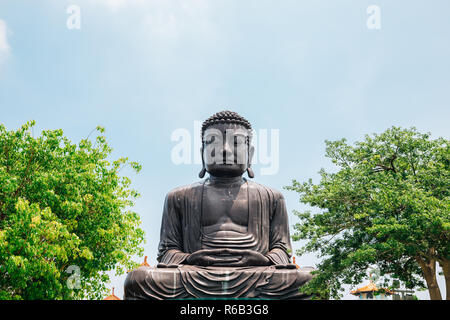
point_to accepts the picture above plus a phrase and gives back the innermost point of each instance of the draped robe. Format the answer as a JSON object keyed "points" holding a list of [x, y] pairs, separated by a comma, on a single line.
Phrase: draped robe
{"points": [[181, 235]]}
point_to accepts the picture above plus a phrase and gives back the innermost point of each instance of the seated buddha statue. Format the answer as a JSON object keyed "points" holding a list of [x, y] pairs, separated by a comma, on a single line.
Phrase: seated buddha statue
{"points": [[225, 236]]}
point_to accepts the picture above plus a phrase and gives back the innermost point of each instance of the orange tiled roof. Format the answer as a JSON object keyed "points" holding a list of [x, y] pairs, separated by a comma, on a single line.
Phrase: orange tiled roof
{"points": [[371, 287], [112, 296]]}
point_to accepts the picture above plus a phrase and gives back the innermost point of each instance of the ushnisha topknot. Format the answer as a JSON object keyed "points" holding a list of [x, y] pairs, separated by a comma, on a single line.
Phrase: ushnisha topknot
{"points": [[226, 116]]}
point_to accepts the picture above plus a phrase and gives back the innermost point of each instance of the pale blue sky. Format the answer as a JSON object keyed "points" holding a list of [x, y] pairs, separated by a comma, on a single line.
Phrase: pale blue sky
{"points": [[142, 69]]}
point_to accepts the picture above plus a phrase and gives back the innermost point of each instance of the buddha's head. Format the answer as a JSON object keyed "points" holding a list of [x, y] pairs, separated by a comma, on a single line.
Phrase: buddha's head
{"points": [[226, 145]]}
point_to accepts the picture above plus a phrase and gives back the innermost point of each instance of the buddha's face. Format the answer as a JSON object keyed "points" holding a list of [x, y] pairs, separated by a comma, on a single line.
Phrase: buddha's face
{"points": [[226, 151]]}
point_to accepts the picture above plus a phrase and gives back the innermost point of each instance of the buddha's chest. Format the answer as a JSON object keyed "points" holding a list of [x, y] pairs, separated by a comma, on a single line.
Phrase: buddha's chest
{"points": [[225, 205]]}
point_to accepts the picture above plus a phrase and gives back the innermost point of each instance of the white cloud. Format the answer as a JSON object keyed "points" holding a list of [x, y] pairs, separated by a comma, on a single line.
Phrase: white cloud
{"points": [[171, 19], [117, 4], [4, 46], [165, 18]]}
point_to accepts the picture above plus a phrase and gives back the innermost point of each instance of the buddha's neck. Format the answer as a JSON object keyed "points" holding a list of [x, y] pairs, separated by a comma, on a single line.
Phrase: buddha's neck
{"points": [[225, 180]]}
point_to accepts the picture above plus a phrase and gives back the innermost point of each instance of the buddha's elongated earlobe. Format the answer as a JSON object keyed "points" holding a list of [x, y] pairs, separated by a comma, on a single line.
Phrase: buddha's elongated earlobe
{"points": [[250, 172], [202, 172], [251, 151]]}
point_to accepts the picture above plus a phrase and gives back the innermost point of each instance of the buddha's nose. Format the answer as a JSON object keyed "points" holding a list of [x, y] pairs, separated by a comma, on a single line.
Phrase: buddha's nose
{"points": [[228, 155]]}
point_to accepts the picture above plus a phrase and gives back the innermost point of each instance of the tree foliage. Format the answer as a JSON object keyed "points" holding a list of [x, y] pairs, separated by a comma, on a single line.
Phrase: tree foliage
{"points": [[387, 205], [65, 216]]}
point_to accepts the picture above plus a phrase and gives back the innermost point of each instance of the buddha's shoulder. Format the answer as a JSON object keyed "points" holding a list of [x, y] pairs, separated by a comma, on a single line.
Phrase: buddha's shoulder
{"points": [[272, 192], [196, 188], [185, 190]]}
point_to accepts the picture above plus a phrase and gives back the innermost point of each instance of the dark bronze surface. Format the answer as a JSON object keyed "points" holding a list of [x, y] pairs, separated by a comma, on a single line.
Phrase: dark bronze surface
{"points": [[223, 237]]}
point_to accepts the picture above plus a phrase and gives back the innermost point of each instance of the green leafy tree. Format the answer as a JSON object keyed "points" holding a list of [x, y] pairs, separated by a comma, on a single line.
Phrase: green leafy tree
{"points": [[386, 205], [65, 216]]}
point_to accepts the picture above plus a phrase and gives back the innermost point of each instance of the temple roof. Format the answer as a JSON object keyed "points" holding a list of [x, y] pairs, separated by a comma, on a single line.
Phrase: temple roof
{"points": [[112, 296], [371, 287]]}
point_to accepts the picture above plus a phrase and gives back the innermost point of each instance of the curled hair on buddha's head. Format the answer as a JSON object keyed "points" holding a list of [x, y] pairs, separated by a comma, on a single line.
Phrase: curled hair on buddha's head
{"points": [[226, 117]]}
